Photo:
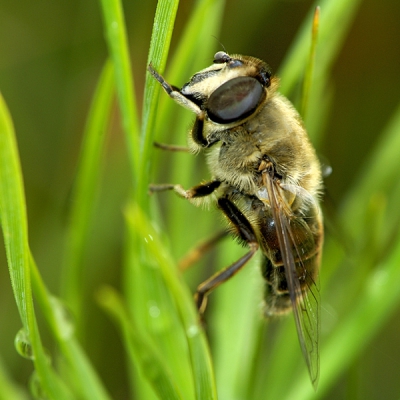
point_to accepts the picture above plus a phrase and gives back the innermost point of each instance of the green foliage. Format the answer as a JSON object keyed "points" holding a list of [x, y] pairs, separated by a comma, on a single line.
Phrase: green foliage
{"points": [[166, 350]]}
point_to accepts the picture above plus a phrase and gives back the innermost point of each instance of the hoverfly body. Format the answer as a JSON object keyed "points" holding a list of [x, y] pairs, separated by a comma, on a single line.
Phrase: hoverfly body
{"points": [[266, 179]]}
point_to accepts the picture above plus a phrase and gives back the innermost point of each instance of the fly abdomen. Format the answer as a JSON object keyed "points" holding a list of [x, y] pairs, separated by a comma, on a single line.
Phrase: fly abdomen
{"points": [[276, 292]]}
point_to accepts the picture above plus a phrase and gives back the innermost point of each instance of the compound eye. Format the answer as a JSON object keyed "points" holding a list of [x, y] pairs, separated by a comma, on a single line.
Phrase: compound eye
{"points": [[235, 99]]}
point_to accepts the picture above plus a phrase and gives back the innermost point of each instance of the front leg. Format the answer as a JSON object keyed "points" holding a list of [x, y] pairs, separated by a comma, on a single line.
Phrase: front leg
{"points": [[202, 190], [197, 132], [174, 93], [171, 147]]}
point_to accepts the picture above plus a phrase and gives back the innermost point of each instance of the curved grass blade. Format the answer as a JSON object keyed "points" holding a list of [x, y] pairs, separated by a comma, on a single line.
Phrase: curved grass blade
{"points": [[15, 231], [84, 379]]}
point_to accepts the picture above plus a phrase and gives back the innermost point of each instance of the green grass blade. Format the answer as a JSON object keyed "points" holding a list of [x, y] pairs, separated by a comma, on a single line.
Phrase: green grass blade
{"points": [[14, 224], [115, 30], [84, 379], [159, 46], [13, 215], [376, 175], [84, 192], [140, 347], [310, 66], [155, 256], [194, 52], [195, 46], [335, 18], [137, 261]]}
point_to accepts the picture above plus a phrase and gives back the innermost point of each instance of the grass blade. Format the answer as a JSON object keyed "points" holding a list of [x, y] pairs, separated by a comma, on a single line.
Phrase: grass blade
{"points": [[310, 67], [335, 19], [159, 46], [140, 347], [14, 224], [200, 360], [84, 379], [84, 192], [115, 30]]}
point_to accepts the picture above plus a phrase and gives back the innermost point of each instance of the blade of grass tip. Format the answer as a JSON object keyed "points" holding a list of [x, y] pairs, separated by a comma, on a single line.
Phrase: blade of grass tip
{"points": [[59, 319], [335, 19], [310, 66], [13, 219], [198, 349], [140, 347], [84, 192], [164, 21], [117, 42]]}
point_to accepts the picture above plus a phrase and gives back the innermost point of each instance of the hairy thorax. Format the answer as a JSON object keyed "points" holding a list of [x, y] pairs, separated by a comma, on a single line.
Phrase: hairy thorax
{"points": [[266, 136]]}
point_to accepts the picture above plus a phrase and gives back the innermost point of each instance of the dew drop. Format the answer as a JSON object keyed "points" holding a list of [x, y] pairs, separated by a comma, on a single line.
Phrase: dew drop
{"points": [[148, 238], [36, 388], [23, 344], [192, 331], [154, 312]]}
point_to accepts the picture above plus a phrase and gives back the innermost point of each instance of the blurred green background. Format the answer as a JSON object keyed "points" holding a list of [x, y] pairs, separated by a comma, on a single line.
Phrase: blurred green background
{"points": [[51, 53]]}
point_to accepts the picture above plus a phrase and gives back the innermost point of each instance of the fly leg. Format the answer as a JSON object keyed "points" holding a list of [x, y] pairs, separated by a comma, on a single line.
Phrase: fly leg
{"points": [[246, 233], [176, 95], [202, 190], [171, 147], [196, 192], [197, 252]]}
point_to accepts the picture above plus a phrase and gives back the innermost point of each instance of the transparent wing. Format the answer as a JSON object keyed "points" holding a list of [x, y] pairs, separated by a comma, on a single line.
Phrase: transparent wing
{"points": [[300, 256]]}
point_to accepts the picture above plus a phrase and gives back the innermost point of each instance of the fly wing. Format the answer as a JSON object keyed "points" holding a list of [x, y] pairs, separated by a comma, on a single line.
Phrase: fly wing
{"points": [[295, 241]]}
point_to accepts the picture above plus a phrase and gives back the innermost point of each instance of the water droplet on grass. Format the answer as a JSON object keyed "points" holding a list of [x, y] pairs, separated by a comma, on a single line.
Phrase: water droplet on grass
{"points": [[23, 344]]}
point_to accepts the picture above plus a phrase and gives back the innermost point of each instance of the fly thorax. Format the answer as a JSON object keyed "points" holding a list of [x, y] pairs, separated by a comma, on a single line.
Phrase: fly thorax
{"points": [[237, 163]]}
